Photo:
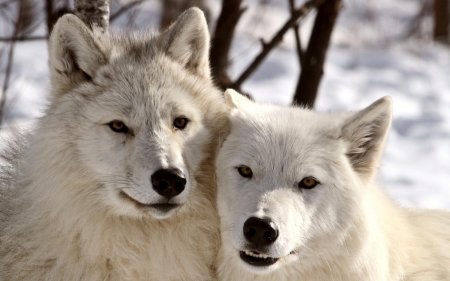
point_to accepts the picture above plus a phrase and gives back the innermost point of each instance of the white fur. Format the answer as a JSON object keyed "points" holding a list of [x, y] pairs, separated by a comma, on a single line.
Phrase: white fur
{"points": [[345, 228], [62, 216]]}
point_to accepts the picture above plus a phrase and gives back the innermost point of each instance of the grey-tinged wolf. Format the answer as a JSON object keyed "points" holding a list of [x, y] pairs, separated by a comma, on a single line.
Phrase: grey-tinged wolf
{"points": [[298, 201], [116, 182]]}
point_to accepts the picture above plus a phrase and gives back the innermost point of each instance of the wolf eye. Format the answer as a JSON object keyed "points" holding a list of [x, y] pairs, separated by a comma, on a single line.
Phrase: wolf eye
{"points": [[118, 126], [180, 123], [245, 171], [308, 183]]}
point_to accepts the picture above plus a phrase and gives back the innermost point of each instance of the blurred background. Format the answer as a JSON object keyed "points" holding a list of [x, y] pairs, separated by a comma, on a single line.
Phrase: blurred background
{"points": [[332, 55]]}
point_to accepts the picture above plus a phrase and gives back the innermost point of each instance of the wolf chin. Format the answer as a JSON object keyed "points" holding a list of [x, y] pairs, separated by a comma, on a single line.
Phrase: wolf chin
{"points": [[298, 201], [116, 181]]}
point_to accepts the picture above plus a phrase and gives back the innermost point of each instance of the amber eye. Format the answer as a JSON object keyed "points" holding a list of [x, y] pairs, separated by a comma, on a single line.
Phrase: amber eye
{"points": [[180, 123], [308, 183], [118, 126], [245, 171]]}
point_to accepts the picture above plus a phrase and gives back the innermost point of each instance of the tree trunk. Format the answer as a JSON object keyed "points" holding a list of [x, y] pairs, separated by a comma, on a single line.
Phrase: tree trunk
{"points": [[49, 15], [54, 9], [441, 20], [315, 55], [221, 42], [93, 13]]}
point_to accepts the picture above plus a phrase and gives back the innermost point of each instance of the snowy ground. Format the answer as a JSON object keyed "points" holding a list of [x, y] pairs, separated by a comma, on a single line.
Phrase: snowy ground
{"points": [[368, 60]]}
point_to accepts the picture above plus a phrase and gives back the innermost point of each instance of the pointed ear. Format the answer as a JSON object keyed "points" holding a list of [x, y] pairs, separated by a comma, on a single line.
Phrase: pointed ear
{"points": [[236, 100], [187, 41], [366, 132], [75, 54]]}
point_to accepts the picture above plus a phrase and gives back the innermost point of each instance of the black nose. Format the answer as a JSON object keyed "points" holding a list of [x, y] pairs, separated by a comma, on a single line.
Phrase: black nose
{"points": [[168, 182], [260, 232]]}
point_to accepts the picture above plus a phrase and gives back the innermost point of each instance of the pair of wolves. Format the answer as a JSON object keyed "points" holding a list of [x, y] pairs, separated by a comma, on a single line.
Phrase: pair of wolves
{"points": [[118, 180]]}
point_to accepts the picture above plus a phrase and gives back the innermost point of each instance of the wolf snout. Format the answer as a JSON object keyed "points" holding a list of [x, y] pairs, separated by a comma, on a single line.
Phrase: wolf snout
{"points": [[260, 232], [168, 182]]}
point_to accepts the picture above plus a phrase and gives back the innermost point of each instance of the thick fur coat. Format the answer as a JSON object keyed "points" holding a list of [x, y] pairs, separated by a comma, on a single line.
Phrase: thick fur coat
{"points": [[298, 201], [77, 201]]}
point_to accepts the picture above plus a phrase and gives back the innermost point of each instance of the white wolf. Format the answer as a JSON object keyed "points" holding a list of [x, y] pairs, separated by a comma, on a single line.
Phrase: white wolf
{"points": [[116, 182], [297, 201]]}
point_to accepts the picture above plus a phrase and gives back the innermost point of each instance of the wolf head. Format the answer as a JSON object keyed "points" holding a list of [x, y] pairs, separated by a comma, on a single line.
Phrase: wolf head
{"points": [[290, 180], [134, 111]]}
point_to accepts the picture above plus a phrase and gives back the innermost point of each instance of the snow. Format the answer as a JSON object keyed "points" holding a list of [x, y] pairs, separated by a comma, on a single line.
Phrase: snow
{"points": [[368, 59]]}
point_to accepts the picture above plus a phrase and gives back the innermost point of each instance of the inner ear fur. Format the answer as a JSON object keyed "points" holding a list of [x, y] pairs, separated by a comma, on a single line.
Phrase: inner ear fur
{"points": [[75, 54], [366, 133], [187, 41], [236, 100]]}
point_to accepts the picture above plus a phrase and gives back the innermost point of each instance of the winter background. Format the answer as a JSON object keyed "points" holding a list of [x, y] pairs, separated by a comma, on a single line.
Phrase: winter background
{"points": [[369, 58]]}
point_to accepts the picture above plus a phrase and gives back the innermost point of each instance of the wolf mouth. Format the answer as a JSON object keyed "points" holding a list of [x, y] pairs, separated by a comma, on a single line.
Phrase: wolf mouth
{"points": [[257, 259], [162, 207]]}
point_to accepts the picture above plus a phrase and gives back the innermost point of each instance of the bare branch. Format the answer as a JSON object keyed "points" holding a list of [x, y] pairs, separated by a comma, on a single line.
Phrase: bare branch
{"points": [[27, 19], [6, 82], [298, 44], [266, 48], [23, 38], [426, 9], [6, 3], [25, 23]]}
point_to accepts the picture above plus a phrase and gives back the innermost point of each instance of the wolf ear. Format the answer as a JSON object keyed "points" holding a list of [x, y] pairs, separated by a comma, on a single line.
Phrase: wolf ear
{"points": [[366, 132], [235, 100], [188, 41], [75, 54]]}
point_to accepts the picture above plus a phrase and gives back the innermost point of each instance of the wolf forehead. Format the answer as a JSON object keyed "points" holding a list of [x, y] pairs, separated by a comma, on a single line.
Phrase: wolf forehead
{"points": [[135, 90], [140, 60], [138, 47], [141, 78], [293, 130]]}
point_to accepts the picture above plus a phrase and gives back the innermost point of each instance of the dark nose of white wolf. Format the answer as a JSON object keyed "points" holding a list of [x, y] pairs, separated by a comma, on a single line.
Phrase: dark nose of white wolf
{"points": [[168, 182], [260, 232]]}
